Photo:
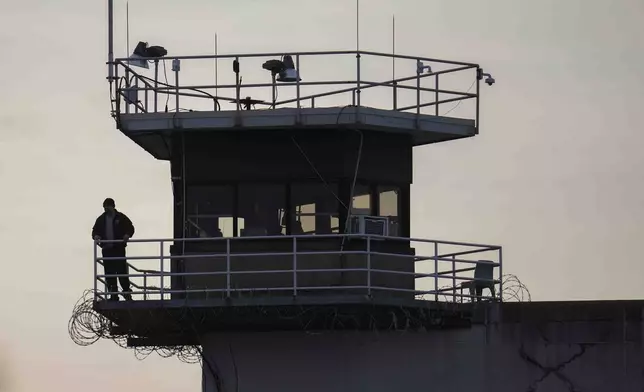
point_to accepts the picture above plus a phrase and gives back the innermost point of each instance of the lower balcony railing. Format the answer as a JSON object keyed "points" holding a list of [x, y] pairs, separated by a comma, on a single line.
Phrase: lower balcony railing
{"points": [[304, 266]]}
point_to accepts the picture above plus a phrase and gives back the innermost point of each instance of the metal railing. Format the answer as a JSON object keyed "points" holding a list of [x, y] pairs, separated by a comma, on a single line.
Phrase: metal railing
{"points": [[441, 274], [345, 78]]}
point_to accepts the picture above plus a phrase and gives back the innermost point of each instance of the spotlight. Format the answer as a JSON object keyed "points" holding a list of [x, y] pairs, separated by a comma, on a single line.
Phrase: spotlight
{"points": [[288, 73], [284, 69], [142, 53]]}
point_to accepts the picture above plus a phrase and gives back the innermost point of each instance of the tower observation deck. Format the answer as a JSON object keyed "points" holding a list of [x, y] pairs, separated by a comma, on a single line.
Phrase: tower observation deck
{"points": [[291, 189]]}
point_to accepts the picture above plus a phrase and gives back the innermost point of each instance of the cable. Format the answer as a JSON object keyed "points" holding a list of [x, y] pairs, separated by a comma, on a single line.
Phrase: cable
{"points": [[461, 101], [165, 74]]}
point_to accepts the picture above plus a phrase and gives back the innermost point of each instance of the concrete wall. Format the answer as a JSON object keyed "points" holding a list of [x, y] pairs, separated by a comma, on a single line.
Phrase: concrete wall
{"points": [[596, 354]]}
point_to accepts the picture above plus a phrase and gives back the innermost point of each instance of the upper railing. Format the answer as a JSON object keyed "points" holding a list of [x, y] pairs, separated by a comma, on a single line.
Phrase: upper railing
{"points": [[328, 79], [433, 270]]}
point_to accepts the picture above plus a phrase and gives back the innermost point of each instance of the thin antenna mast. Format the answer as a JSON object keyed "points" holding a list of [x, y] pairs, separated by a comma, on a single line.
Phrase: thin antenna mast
{"points": [[110, 39], [127, 29], [216, 67], [393, 47], [357, 25]]}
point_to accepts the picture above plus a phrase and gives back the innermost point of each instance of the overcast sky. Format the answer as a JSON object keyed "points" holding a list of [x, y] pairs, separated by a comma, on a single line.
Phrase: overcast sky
{"points": [[554, 176]]}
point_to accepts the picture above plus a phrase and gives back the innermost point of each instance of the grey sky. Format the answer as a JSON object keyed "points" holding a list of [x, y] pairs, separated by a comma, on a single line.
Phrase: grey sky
{"points": [[554, 176]]}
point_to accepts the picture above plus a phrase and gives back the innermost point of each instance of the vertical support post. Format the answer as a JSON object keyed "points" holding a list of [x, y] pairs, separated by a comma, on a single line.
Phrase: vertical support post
{"points": [[237, 92], [295, 266], [156, 86], [369, 265], [136, 86], [297, 67], [147, 98], [454, 278], [436, 271], [478, 88], [418, 72], [227, 267], [161, 267], [313, 102], [175, 65], [95, 270], [395, 88], [117, 96], [500, 274], [128, 91], [436, 94], [145, 285], [358, 86]]}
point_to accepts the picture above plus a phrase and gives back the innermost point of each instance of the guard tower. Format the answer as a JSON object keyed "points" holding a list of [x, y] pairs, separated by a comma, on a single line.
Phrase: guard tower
{"points": [[291, 202]]}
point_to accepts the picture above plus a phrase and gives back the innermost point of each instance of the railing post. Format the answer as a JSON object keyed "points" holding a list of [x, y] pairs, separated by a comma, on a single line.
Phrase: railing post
{"points": [[162, 259], [369, 265], [418, 72], [176, 66], [436, 271], [436, 94], [136, 87], [500, 274], [358, 84], [156, 85], [228, 267], [395, 89], [295, 266], [95, 270], [128, 91], [145, 285], [454, 278], [297, 80]]}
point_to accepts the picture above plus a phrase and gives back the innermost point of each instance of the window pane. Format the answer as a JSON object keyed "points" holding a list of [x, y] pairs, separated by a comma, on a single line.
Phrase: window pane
{"points": [[390, 206], [361, 200], [261, 206], [315, 209], [209, 211]]}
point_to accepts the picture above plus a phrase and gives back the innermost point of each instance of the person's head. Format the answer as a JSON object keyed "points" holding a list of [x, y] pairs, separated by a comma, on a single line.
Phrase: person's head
{"points": [[109, 206]]}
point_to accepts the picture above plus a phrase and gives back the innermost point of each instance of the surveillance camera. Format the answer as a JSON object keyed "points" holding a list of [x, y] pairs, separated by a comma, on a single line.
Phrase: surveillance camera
{"points": [[490, 80]]}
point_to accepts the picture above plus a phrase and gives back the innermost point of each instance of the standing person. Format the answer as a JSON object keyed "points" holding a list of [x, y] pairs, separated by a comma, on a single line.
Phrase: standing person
{"points": [[114, 225]]}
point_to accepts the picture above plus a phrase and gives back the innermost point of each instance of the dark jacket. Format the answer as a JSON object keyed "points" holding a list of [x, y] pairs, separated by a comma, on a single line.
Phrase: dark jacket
{"points": [[122, 226]]}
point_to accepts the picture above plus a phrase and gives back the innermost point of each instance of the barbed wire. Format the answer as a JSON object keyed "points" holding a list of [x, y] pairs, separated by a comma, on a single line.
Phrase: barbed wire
{"points": [[86, 327]]}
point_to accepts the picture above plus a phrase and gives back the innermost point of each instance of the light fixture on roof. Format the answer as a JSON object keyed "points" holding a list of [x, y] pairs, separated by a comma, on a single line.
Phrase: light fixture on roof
{"points": [[288, 73], [283, 70], [143, 53]]}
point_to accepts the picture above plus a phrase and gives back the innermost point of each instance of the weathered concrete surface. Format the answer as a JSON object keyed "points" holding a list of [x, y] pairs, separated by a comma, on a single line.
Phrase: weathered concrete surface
{"points": [[549, 347]]}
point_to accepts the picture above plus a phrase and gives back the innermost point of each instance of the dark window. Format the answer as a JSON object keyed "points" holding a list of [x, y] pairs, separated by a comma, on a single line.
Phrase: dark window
{"points": [[261, 209], [209, 211], [314, 209], [389, 206]]}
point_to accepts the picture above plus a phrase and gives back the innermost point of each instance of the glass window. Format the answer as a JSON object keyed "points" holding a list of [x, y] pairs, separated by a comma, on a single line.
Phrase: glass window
{"points": [[361, 200], [315, 209], [261, 209], [389, 206], [210, 211]]}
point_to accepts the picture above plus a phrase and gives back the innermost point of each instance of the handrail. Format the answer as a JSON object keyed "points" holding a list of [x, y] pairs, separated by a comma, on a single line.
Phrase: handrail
{"points": [[356, 84], [446, 266]]}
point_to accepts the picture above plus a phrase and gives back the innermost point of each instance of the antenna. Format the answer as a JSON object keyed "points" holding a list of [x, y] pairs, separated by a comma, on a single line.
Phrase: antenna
{"points": [[393, 47], [216, 67], [127, 28], [357, 25], [110, 39]]}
